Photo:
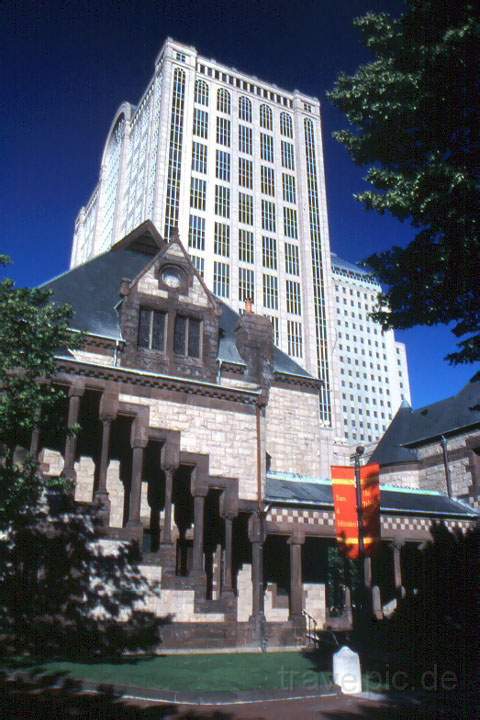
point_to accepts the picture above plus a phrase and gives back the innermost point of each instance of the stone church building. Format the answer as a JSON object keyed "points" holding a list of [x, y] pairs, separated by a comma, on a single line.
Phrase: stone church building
{"points": [[202, 441]]}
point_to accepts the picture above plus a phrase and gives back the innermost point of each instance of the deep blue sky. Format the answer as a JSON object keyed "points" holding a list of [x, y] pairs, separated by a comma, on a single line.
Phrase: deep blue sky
{"points": [[66, 66]]}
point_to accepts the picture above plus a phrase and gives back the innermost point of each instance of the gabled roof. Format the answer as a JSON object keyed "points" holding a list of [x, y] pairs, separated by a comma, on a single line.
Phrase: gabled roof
{"points": [[410, 428], [291, 489], [93, 291]]}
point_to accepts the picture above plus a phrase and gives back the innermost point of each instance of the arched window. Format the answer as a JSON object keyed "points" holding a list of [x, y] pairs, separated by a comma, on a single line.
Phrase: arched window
{"points": [[266, 117], [286, 127], [201, 92], [245, 109], [223, 101]]}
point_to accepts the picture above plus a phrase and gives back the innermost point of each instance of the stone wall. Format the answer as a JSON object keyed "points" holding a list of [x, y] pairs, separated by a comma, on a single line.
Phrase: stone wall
{"points": [[227, 437]]}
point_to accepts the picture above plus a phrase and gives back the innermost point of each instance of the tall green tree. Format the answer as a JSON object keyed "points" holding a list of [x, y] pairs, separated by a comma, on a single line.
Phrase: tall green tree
{"points": [[414, 122]]}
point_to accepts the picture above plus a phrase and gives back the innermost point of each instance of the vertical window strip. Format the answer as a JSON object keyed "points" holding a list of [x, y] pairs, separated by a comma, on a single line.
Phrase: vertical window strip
{"points": [[222, 201], [223, 101], [276, 328], [270, 292], [222, 165], [200, 123], [286, 126], [294, 338], [294, 301], [292, 263], [196, 232], [245, 208], [266, 118], [222, 239], [199, 264], [223, 131], [290, 222], [268, 216], [246, 246], [267, 180], [175, 152], [245, 173], [269, 253], [221, 279], [201, 92], [199, 158], [245, 139], [245, 109], [266, 147], [288, 188], [246, 284], [198, 192], [288, 158], [318, 270]]}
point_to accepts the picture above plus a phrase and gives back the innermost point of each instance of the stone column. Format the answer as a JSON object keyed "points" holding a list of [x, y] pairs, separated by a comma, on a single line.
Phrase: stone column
{"points": [[107, 413], [166, 538], [138, 441], [296, 587], [397, 568], [227, 571], [198, 526], [256, 534], [75, 393]]}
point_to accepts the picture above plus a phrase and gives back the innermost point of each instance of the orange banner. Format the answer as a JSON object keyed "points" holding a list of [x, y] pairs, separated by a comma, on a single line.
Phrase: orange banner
{"points": [[346, 513]]}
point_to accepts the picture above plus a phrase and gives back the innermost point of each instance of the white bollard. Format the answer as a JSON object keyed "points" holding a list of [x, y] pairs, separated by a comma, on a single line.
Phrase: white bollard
{"points": [[346, 671]]}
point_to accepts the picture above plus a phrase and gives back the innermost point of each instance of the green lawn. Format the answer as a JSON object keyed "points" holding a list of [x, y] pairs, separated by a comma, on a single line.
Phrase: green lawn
{"points": [[232, 672]]}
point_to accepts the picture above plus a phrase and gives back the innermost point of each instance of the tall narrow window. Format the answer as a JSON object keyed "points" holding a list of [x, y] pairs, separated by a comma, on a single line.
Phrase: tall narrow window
{"points": [[222, 165], [245, 109], [268, 216], [199, 157], [292, 262], [245, 246], [266, 120], [223, 101], [245, 173], [267, 179], [187, 336], [222, 201], [288, 160], [201, 92], [221, 279], [196, 232], [245, 208], [151, 329], [294, 302], [222, 239], [223, 131], [288, 188], [175, 151], [276, 328], [245, 139], [286, 127], [199, 264], [246, 284], [200, 123], [294, 338], [270, 292], [290, 222], [269, 253], [198, 191], [266, 147]]}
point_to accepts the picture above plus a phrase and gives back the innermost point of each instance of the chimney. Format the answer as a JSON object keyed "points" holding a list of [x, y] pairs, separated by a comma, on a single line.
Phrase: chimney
{"points": [[254, 340]]}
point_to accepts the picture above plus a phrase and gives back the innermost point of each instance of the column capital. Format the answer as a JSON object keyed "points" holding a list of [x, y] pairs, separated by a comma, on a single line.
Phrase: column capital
{"points": [[169, 456], [139, 434], [297, 537], [76, 388], [397, 543], [256, 529], [109, 403], [201, 491]]}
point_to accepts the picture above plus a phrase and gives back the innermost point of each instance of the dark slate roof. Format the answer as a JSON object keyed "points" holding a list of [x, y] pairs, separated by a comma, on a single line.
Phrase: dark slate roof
{"points": [[92, 289], [291, 489], [341, 264], [409, 428]]}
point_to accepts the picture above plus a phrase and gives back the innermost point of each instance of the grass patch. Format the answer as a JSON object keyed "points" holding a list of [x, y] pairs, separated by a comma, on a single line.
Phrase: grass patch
{"points": [[204, 673]]}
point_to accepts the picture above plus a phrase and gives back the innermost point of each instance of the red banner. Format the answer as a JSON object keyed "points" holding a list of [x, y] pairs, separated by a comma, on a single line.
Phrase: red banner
{"points": [[346, 513]]}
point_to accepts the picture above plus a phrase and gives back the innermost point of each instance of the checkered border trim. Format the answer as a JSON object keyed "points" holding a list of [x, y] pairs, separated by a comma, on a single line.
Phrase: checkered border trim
{"points": [[389, 522]]}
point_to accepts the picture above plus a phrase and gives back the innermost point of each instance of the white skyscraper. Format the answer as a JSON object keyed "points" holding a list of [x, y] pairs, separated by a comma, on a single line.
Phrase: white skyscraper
{"points": [[236, 164]]}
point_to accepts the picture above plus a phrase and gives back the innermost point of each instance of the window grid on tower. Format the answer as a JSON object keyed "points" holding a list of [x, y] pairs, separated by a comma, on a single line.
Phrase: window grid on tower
{"points": [[198, 192], [245, 173], [223, 101], [196, 232], [290, 222], [294, 301], [221, 279], [223, 131], [222, 201], [246, 246], [222, 165], [245, 139], [175, 152], [288, 188], [266, 147], [270, 292], [245, 208], [245, 109], [267, 180], [201, 92], [276, 328], [269, 253], [294, 338], [266, 118], [286, 126], [199, 264], [268, 216], [222, 239], [292, 263], [246, 284], [199, 158], [200, 123], [317, 266], [288, 158]]}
